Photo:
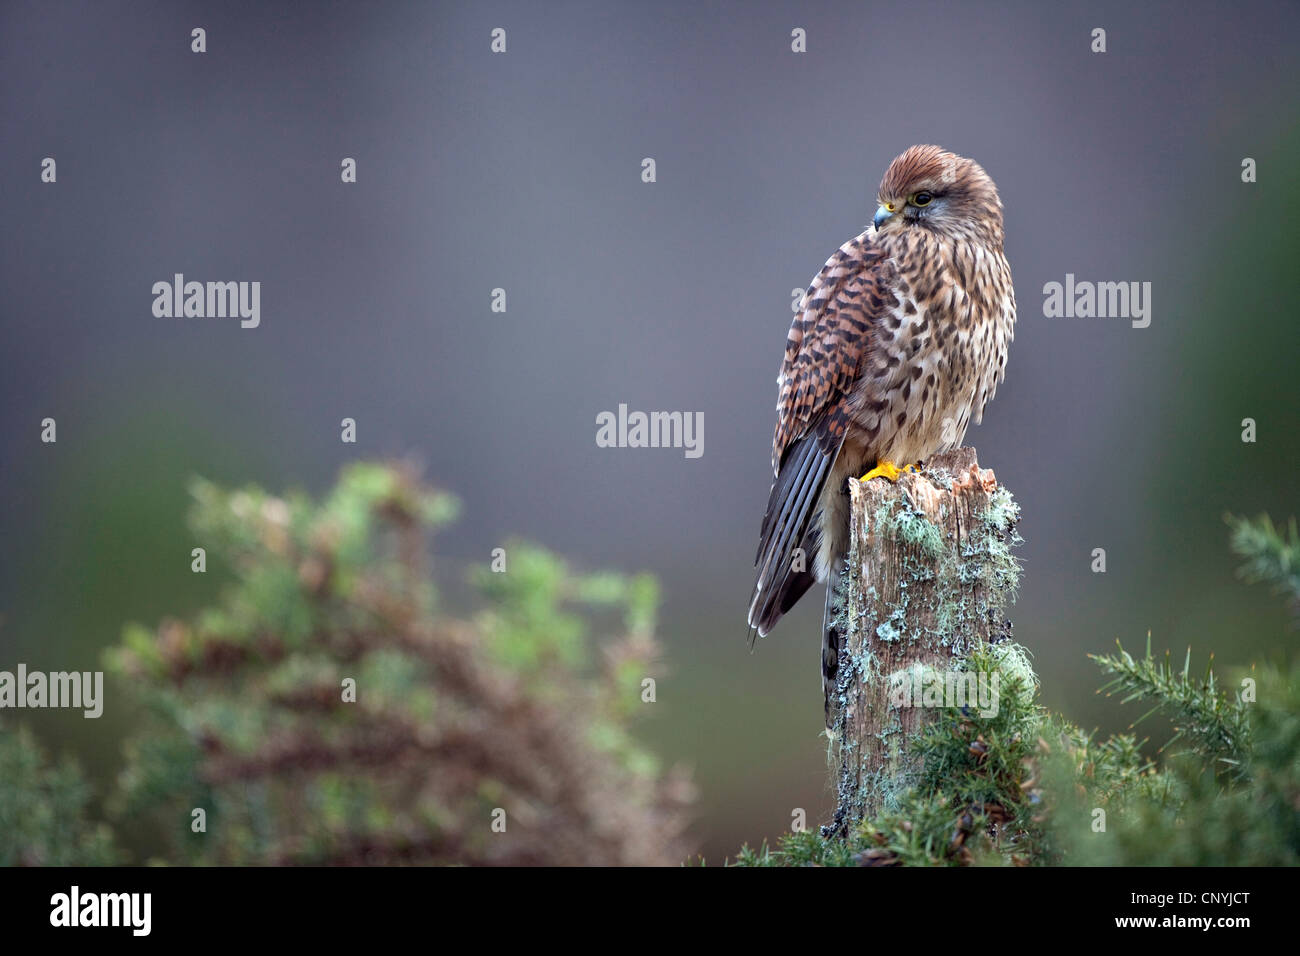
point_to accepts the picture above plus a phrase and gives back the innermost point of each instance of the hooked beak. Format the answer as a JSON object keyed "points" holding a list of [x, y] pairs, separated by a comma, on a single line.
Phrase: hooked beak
{"points": [[882, 214]]}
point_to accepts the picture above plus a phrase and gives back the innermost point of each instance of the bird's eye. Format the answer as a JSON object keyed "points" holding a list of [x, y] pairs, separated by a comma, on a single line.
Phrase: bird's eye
{"points": [[921, 199]]}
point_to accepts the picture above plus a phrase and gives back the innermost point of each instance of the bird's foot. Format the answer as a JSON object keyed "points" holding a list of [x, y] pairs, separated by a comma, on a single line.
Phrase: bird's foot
{"points": [[888, 470]]}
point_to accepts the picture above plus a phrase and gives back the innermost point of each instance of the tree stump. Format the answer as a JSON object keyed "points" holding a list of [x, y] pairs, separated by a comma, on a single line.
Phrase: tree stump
{"points": [[930, 573]]}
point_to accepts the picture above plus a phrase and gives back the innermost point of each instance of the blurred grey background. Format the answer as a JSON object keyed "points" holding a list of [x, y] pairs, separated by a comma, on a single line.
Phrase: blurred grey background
{"points": [[522, 171]]}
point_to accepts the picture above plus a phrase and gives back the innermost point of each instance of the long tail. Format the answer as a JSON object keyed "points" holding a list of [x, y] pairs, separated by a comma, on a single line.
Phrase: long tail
{"points": [[789, 524]]}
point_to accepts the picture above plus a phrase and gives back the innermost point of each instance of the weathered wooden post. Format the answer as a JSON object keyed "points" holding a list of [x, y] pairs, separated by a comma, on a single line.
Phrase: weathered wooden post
{"points": [[930, 573]]}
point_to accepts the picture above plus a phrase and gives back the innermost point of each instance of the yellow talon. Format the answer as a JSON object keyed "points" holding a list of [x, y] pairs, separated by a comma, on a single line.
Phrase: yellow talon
{"points": [[887, 470]]}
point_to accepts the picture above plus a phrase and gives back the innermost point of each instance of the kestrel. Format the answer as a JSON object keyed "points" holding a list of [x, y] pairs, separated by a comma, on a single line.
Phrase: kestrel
{"points": [[900, 340]]}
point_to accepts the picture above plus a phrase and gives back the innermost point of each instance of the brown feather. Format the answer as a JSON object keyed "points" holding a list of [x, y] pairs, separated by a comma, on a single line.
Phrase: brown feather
{"points": [[900, 342]]}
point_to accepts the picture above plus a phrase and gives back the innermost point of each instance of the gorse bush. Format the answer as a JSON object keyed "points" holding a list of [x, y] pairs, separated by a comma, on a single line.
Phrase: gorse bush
{"points": [[325, 712]]}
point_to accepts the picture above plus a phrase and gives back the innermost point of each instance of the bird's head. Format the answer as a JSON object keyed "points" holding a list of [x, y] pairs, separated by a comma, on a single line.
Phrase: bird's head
{"points": [[931, 188]]}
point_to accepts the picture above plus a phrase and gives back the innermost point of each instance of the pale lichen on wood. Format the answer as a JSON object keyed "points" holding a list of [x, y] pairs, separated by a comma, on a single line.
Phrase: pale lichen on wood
{"points": [[930, 575]]}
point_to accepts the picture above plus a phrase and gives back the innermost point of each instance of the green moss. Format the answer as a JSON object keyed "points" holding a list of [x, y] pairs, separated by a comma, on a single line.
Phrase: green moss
{"points": [[1011, 663], [957, 591], [911, 527], [964, 590]]}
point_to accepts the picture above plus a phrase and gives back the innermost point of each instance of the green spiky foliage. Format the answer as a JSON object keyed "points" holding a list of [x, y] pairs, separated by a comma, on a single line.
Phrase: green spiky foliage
{"points": [[1028, 787], [1272, 554], [44, 809], [326, 712], [1211, 722], [1189, 811]]}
